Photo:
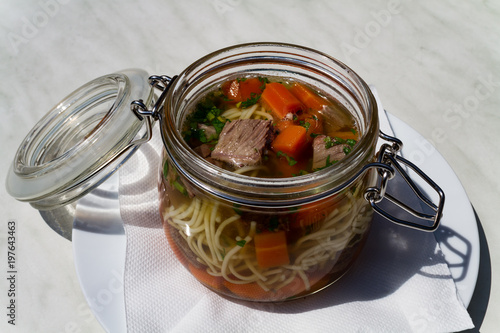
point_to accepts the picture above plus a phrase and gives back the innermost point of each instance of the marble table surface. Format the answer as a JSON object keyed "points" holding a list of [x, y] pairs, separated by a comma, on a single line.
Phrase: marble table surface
{"points": [[435, 64]]}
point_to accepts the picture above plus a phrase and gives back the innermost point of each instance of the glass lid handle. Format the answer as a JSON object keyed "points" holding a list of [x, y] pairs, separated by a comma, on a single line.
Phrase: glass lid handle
{"points": [[424, 213]]}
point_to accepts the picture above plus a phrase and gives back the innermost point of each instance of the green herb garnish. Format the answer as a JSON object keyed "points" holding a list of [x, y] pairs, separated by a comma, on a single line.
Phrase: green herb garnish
{"points": [[241, 243], [289, 159], [254, 98], [305, 124], [273, 223], [236, 208]]}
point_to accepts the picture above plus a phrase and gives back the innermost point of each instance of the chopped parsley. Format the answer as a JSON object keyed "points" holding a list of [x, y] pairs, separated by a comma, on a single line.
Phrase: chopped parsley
{"points": [[301, 173], [205, 113], [254, 98], [237, 209], [329, 143], [328, 163], [273, 223], [289, 159], [305, 124], [241, 243]]}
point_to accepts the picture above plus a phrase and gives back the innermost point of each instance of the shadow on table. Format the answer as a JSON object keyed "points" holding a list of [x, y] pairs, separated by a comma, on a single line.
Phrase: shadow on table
{"points": [[392, 255], [481, 296]]}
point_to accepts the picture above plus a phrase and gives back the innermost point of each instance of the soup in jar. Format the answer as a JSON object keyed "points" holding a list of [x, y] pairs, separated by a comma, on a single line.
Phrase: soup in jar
{"points": [[269, 128]]}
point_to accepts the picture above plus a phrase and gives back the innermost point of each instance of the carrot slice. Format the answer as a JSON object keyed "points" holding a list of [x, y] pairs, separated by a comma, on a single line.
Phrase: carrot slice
{"points": [[242, 89], [291, 141], [214, 282], [271, 249], [310, 217], [280, 100], [247, 291], [173, 246], [308, 97], [298, 287]]}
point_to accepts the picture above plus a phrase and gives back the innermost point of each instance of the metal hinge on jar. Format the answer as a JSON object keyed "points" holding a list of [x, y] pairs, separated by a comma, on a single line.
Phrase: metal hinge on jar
{"points": [[388, 164], [140, 109]]}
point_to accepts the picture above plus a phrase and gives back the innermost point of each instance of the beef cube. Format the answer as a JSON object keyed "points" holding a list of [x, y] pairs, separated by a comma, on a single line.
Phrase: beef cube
{"points": [[242, 141], [322, 155], [209, 131], [204, 150]]}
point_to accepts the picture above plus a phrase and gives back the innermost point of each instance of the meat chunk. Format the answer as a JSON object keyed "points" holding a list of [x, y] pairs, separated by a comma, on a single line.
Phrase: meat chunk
{"points": [[204, 150], [326, 151], [209, 132], [242, 141]]}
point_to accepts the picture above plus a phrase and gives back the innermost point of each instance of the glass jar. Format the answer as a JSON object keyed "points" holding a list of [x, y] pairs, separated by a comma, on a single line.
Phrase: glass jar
{"points": [[313, 226], [259, 239]]}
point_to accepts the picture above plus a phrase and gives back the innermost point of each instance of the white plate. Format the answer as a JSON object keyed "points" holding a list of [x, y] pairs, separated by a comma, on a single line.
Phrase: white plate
{"points": [[99, 242]]}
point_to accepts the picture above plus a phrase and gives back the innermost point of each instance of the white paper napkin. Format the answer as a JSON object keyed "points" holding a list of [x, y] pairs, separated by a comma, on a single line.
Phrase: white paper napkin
{"points": [[400, 283]]}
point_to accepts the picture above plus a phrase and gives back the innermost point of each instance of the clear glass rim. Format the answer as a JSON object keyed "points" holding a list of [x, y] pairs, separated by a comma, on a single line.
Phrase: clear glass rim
{"points": [[252, 190]]}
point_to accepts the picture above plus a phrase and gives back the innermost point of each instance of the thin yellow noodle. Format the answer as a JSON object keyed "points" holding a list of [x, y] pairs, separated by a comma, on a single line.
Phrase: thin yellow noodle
{"points": [[187, 212], [251, 278], [247, 113], [264, 115], [221, 228], [227, 258], [173, 212], [231, 114], [305, 279], [197, 207], [287, 281], [203, 255], [209, 217], [272, 279], [254, 270], [253, 228], [263, 285], [199, 222]]}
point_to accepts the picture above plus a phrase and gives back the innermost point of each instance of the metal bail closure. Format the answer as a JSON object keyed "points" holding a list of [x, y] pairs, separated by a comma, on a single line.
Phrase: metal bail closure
{"points": [[422, 213]]}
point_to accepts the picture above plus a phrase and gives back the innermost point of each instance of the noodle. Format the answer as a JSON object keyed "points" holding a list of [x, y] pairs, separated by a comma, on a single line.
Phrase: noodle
{"points": [[240, 267]]}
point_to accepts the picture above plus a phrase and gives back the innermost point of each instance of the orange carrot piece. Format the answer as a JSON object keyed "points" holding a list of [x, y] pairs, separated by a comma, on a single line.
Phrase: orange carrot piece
{"points": [[291, 141], [280, 100], [241, 90], [173, 246], [250, 87], [247, 290], [214, 282], [308, 97], [298, 287], [271, 249], [310, 217]]}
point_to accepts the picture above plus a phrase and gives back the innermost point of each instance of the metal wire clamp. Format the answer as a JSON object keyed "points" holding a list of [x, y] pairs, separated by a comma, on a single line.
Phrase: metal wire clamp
{"points": [[388, 155]]}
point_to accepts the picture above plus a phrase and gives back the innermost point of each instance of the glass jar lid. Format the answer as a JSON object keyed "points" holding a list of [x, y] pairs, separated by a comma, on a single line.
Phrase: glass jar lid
{"points": [[80, 142]]}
